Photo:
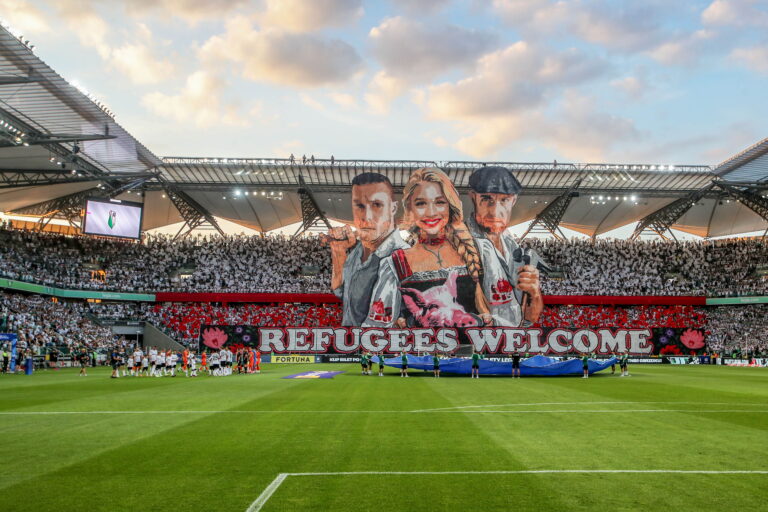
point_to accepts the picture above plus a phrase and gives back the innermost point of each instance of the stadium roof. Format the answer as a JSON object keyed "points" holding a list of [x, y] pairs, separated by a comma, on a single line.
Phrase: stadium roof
{"points": [[59, 146]]}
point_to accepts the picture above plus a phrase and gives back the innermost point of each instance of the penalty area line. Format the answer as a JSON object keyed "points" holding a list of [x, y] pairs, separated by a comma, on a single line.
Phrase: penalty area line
{"points": [[267, 493]]}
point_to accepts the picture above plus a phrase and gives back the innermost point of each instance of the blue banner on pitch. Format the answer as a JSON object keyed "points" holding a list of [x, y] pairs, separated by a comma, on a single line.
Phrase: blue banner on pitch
{"points": [[318, 374]]}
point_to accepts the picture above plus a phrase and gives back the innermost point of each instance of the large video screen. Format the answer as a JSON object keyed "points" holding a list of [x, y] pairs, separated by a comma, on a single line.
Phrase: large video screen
{"points": [[112, 218]]}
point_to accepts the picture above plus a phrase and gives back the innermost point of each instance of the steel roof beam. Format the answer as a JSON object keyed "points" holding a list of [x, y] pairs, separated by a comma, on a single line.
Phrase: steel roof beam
{"points": [[553, 213], [755, 202], [311, 214], [662, 219]]}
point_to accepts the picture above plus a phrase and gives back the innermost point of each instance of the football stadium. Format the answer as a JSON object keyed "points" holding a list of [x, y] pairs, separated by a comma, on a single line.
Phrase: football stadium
{"points": [[303, 330]]}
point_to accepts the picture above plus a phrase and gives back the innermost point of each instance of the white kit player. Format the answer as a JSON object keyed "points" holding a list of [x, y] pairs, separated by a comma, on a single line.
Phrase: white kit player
{"points": [[223, 361], [174, 361], [144, 365], [213, 363], [153, 360], [136, 366], [192, 364], [160, 364]]}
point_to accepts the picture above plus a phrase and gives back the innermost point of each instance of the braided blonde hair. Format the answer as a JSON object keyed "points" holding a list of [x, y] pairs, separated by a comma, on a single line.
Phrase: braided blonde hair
{"points": [[456, 231]]}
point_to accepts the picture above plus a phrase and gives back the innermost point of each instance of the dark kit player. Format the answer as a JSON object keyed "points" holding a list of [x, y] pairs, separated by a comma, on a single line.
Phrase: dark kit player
{"points": [[516, 365]]}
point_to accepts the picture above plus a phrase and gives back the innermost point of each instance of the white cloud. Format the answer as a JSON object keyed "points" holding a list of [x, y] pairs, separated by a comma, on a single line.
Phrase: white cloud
{"points": [[412, 50], [754, 58], [298, 60], [421, 6], [634, 87], [311, 102], [137, 58], [383, 90], [190, 10], [524, 93], [578, 130], [138, 62], [488, 137], [310, 15], [344, 100], [198, 102], [628, 27], [684, 50], [512, 79], [89, 27], [582, 132], [739, 13], [24, 17]]}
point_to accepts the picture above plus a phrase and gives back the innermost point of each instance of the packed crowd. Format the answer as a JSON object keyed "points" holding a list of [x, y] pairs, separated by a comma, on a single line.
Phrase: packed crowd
{"points": [[269, 264], [637, 317], [230, 263], [627, 267], [43, 325], [738, 330], [184, 320]]}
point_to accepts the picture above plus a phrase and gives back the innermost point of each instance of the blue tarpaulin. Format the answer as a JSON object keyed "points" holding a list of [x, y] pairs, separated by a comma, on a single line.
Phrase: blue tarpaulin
{"points": [[536, 365]]}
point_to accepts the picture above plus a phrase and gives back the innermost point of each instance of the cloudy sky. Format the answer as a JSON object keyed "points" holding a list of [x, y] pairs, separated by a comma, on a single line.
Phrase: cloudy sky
{"points": [[514, 80]]}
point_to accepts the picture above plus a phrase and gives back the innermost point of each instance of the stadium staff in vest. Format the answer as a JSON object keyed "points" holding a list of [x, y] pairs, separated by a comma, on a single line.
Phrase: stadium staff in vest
{"points": [[354, 273], [494, 192]]}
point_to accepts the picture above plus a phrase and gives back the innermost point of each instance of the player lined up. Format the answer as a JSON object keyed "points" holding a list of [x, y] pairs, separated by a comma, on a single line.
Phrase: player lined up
{"points": [[162, 363]]}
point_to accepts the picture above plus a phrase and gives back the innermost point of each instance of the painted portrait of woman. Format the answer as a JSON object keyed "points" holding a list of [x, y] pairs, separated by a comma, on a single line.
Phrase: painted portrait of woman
{"points": [[438, 281]]}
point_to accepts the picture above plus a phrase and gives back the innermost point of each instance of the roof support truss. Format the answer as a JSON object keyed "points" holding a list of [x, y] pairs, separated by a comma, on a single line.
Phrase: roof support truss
{"points": [[193, 213], [660, 221], [311, 214], [550, 216], [68, 207], [748, 197]]}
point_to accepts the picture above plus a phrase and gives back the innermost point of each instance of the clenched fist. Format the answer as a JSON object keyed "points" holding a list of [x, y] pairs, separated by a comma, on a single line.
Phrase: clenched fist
{"points": [[340, 239], [528, 280]]}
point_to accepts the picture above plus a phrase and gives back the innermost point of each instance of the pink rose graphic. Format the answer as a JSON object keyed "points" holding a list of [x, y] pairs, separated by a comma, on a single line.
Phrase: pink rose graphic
{"points": [[692, 339], [214, 338]]}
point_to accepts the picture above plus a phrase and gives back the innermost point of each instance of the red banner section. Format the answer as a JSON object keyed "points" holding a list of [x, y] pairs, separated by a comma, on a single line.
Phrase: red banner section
{"points": [[307, 298], [321, 298]]}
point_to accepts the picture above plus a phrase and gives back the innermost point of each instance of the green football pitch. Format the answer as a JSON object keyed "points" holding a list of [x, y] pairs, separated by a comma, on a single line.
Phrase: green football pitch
{"points": [[666, 438]]}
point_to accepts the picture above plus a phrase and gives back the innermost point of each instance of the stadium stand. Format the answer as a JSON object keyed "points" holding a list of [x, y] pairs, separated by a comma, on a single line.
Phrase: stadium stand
{"points": [[42, 325], [274, 264], [184, 320], [68, 326]]}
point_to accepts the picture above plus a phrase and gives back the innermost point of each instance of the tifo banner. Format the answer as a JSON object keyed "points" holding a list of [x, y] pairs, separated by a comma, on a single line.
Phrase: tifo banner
{"points": [[492, 340]]}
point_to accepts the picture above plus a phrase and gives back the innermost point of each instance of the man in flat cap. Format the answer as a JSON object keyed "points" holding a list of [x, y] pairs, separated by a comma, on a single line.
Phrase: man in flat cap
{"points": [[494, 192]]}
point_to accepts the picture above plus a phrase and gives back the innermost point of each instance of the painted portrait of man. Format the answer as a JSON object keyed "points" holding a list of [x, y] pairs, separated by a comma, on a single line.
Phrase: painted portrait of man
{"points": [[494, 191], [355, 255]]}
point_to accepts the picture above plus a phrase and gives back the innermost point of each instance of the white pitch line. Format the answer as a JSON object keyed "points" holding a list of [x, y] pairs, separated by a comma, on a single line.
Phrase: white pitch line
{"points": [[535, 404], [451, 411], [267, 493], [539, 471], [272, 487]]}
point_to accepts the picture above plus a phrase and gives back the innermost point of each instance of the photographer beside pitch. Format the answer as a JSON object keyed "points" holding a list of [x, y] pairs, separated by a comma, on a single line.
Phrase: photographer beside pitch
{"points": [[373, 210], [494, 192]]}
